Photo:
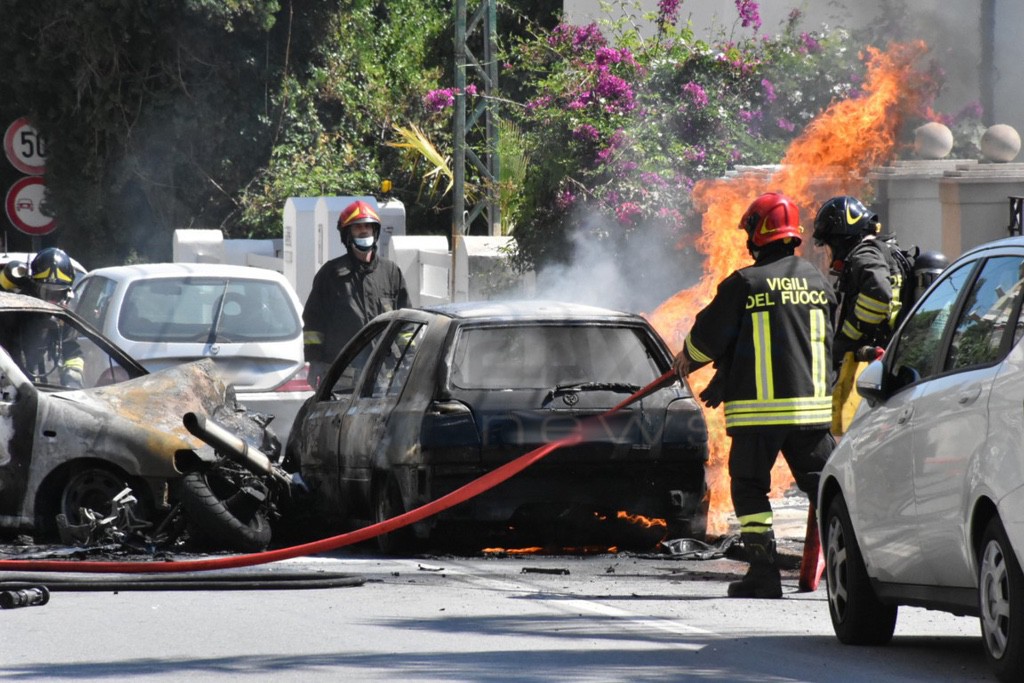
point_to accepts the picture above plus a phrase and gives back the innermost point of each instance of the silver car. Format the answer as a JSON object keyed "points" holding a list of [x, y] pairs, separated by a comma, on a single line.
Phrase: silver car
{"points": [[247, 320], [922, 503]]}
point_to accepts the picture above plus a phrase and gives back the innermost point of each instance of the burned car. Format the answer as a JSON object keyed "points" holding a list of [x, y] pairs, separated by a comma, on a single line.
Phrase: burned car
{"points": [[421, 402], [71, 444]]}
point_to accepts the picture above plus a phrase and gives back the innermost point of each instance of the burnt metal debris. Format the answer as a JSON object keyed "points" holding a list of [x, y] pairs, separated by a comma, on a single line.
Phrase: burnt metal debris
{"points": [[692, 549]]}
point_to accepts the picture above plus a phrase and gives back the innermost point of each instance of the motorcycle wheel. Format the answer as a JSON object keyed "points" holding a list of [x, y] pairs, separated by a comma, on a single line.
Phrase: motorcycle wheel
{"points": [[221, 515]]}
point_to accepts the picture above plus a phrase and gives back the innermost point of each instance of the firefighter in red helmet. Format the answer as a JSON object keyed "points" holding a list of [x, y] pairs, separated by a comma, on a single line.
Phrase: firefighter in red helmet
{"points": [[350, 290], [768, 333]]}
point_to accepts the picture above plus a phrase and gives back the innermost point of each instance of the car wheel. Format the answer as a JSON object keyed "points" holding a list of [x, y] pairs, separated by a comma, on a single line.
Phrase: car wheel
{"points": [[388, 503], [94, 489], [221, 514], [1001, 602], [858, 616]]}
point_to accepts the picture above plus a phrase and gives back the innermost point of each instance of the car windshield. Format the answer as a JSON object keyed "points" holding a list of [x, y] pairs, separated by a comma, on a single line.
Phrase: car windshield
{"points": [[201, 309], [549, 356]]}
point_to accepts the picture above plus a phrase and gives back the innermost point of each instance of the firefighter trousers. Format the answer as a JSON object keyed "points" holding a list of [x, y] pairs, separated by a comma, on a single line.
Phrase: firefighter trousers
{"points": [[752, 457]]}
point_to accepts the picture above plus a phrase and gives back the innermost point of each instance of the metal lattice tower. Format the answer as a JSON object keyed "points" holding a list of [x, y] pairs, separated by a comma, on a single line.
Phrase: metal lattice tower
{"points": [[468, 124]]}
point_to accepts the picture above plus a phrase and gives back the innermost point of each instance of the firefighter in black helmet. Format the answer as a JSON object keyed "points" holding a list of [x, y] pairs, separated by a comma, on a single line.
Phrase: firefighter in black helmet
{"points": [[868, 284], [768, 332], [50, 350]]}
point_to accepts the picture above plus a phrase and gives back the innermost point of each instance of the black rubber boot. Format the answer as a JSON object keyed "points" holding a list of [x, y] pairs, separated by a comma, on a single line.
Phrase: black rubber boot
{"points": [[762, 579]]}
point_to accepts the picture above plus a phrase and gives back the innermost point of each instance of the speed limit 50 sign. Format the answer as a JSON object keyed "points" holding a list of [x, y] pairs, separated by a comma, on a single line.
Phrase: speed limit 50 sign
{"points": [[24, 148]]}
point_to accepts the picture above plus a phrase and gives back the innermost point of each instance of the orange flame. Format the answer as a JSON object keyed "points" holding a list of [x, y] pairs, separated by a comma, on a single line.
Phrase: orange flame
{"points": [[832, 156], [645, 522]]}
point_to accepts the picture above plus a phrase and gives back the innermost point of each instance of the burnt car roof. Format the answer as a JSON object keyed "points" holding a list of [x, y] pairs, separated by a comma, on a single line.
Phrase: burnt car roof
{"points": [[528, 310], [23, 302]]}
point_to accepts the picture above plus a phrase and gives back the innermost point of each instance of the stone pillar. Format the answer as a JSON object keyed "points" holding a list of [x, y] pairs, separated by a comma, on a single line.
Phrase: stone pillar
{"points": [[975, 205], [908, 203]]}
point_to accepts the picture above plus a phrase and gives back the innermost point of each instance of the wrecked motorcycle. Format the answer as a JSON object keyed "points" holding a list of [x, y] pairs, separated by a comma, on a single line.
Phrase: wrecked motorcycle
{"points": [[228, 496], [230, 499]]}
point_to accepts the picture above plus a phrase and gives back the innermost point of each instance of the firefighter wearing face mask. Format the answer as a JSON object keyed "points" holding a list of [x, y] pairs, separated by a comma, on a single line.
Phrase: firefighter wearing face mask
{"points": [[350, 290], [769, 335]]}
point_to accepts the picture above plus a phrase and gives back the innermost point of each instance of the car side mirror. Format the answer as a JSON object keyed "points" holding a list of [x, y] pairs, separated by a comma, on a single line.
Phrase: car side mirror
{"points": [[871, 383]]}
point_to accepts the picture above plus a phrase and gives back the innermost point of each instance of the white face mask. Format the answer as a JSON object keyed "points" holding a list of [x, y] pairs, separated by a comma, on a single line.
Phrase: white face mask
{"points": [[364, 243]]}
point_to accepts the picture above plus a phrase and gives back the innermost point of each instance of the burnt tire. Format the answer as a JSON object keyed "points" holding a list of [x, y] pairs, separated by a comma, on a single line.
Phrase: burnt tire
{"points": [[388, 503], [1001, 603], [93, 488], [222, 516], [858, 616]]}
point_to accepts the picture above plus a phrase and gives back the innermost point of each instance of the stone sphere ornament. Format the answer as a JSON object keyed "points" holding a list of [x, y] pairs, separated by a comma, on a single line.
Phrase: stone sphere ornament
{"points": [[933, 140], [1000, 143]]}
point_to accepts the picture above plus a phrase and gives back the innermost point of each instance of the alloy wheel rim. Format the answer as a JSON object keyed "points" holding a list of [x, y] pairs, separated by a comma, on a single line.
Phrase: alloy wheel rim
{"points": [[994, 591], [836, 569]]}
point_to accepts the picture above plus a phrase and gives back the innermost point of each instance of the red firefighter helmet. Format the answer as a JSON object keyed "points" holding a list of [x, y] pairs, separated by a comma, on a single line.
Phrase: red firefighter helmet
{"points": [[770, 218], [357, 212], [353, 214]]}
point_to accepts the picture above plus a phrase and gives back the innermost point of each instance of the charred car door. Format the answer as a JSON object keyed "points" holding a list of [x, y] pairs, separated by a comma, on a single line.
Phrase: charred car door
{"points": [[366, 443], [321, 426]]}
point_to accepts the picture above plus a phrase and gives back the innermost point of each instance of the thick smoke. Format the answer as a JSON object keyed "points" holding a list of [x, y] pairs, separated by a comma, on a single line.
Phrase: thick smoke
{"points": [[632, 272]]}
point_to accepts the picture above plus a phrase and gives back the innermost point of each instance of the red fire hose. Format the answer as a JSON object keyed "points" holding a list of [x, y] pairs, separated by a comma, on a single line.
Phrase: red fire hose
{"points": [[459, 495]]}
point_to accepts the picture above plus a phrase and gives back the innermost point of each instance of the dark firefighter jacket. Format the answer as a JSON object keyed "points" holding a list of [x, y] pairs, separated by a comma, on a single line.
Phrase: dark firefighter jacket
{"points": [[769, 331], [869, 300], [346, 294]]}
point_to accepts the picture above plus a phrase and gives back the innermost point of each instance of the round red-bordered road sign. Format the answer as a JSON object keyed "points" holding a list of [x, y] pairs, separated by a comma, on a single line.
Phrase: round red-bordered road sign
{"points": [[23, 206], [24, 148]]}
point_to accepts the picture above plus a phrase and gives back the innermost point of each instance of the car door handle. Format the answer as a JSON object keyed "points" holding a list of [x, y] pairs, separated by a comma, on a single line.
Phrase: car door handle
{"points": [[904, 415], [968, 396]]}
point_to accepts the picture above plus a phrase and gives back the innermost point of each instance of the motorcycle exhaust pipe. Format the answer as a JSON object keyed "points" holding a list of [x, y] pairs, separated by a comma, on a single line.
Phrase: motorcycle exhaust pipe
{"points": [[223, 441]]}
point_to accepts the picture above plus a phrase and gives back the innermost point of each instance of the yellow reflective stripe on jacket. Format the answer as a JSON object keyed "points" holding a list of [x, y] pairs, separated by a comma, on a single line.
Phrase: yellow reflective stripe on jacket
{"points": [[312, 337], [811, 403], [766, 409], [695, 353], [762, 332], [851, 331], [871, 311], [779, 412], [74, 363], [820, 362]]}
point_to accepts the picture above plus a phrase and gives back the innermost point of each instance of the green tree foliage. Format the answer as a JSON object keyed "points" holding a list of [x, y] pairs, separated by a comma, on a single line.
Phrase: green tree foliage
{"points": [[151, 112], [619, 127], [201, 113], [369, 73], [211, 113]]}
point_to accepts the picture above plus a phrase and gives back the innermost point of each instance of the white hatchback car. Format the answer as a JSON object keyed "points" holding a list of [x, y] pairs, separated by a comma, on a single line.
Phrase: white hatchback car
{"points": [[248, 320], [922, 503]]}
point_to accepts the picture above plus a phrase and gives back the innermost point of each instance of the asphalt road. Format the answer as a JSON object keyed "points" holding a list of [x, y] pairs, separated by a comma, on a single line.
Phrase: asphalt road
{"points": [[608, 617]]}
